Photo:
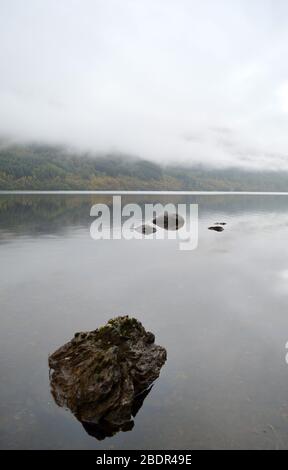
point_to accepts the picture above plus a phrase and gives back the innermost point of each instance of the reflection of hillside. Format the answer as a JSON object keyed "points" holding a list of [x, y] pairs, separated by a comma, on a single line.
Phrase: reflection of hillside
{"points": [[241, 203], [47, 214], [53, 214]]}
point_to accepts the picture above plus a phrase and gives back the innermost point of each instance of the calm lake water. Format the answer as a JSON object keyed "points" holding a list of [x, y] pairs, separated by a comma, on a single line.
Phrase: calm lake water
{"points": [[221, 311]]}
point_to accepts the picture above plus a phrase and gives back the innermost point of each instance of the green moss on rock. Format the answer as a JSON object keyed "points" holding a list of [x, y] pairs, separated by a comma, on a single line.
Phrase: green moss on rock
{"points": [[98, 374]]}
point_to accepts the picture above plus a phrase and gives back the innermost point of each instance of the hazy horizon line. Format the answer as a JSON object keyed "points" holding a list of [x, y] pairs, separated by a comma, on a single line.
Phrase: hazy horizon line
{"points": [[142, 192]]}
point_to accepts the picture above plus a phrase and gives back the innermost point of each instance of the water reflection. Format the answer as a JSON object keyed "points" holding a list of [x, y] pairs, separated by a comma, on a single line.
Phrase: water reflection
{"points": [[220, 310], [43, 215], [104, 375], [105, 429]]}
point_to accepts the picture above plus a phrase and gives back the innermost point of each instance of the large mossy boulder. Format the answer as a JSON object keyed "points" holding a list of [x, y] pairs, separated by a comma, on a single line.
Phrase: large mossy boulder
{"points": [[99, 374]]}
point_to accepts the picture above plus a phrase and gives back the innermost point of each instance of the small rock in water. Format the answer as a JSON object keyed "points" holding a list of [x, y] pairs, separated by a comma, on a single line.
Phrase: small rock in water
{"points": [[220, 223], [217, 228], [146, 229], [103, 376], [169, 221]]}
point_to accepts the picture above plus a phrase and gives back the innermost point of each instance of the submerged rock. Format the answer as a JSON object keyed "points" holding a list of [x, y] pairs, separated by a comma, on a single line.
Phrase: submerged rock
{"points": [[146, 229], [169, 221], [217, 228], [100, 375]]}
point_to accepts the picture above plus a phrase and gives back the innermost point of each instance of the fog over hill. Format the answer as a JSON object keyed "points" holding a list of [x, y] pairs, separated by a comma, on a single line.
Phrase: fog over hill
{"points": [[42, 166], [186, 82]]}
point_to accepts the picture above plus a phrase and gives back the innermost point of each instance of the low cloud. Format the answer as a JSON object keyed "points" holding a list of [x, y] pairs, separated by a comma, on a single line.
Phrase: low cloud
{"points": [[188, 81]]}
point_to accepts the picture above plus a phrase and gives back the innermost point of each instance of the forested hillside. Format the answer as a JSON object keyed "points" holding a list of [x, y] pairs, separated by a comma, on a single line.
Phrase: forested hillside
{"points": [[51, 168]]}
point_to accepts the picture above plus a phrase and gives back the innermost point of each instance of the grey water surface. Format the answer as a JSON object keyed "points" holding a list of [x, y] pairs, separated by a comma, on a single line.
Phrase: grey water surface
{"points": [[221, 311]]}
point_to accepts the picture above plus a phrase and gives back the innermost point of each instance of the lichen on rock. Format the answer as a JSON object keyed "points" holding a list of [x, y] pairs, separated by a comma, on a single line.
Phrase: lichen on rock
{"points": [[99, 374]]}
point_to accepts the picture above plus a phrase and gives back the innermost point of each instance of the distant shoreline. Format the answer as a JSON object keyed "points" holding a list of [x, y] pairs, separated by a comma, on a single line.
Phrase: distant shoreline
{"points": [[40, 169], [143, 192]]}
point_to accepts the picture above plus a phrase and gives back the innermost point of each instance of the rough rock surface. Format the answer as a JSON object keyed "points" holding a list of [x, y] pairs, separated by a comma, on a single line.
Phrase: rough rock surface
{"points": [[99, 374]]}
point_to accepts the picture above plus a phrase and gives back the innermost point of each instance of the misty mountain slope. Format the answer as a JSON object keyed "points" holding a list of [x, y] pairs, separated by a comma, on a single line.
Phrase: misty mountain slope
{"points": [[55, 168]]}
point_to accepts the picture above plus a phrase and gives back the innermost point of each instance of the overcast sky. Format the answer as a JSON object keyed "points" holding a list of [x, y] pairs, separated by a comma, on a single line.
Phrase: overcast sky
{"points": [[197, 80]]}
